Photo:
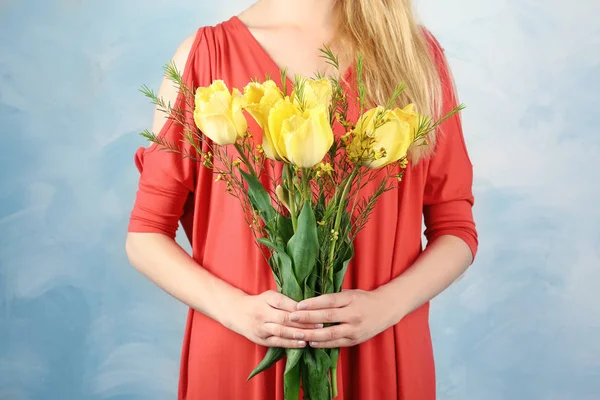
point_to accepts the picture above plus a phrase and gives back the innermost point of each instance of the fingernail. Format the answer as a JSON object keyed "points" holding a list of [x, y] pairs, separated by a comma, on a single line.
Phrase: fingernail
{"points": [[314, 344], [301, 343], [298, 335], [294, 317], [318, 326], [301, 306]]}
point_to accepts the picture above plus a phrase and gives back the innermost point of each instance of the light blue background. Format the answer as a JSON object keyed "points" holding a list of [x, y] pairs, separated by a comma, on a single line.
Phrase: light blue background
{"points": [[76, 322]]}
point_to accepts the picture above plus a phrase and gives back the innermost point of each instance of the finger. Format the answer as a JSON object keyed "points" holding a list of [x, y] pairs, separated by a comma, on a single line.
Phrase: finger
{"points": [[327, 316], [285, 332], [275, 341], [283, 318], [334, 300], [329, 334], [317, 335], [304, 326], [343, 342], [280, 302]]}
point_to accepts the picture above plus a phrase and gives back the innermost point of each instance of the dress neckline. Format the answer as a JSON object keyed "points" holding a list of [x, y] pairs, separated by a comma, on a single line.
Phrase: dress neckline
{"points": [[237, 22]]}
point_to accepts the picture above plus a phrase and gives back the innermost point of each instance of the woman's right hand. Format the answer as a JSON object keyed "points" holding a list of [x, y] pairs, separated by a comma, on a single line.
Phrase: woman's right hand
{"points": [[265, 320]]}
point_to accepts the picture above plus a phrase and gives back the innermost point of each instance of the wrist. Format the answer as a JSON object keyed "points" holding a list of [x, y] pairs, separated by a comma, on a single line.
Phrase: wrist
{"points": [[394, 300], [230, 309]]}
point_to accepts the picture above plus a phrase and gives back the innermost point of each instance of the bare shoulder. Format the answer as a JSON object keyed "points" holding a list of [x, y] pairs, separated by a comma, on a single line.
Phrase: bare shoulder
{"points": [[256, 16], [167, 91], [183, 51]]}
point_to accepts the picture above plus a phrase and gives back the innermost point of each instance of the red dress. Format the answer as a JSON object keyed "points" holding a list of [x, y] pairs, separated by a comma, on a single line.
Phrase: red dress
{"points": [[398, 363]]}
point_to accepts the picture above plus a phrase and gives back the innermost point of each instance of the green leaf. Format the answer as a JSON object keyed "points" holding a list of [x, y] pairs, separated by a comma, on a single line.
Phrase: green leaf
{"points": [[273, 355], [285, 229], [274, 261], [338, 277], [329, 289], [270, 245], [291, 376], [310, 286], [293, 356], [303, 247], [305, 381], [291, 383], [289, 285], [275, 270], [259, 197], [323, 360], [317, 363]]}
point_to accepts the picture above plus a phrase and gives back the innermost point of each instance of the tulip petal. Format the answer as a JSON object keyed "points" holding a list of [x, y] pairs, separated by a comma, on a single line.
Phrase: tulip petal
{"points": [[272, 94], [311, 140], [253, 94], [409, 115], [394, 137], [289, 130], [220, 103], [281, 112], [367, 120], [267, 146], [218, 86], [203, 95], [317, 92], [217, 128], [260, 99], [237, 113]]}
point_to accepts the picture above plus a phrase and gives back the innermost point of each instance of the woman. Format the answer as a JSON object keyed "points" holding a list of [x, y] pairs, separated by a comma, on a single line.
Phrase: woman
{"points": [[383, 313]]}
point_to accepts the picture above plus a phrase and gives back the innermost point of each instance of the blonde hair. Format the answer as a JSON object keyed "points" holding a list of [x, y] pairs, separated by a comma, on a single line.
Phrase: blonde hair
{"points": [[395, 50]]}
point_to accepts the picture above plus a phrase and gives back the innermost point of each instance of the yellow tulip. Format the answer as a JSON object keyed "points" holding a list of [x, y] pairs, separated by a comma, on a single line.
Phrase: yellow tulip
{"points": [[311, 93], [219, 114], [259, 99], [382, 137], [409, 115], [281, 112], [300, 137]]}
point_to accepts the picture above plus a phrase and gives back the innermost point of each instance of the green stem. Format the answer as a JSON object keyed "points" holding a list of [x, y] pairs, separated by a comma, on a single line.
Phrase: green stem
{"points": [[240, 150], [306, 184], [334, 385], [334, 355], [338, 217], [292, 200]]}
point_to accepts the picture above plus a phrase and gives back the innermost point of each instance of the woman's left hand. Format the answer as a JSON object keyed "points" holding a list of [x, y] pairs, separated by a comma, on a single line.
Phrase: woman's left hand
{"points": [[359, 315]]}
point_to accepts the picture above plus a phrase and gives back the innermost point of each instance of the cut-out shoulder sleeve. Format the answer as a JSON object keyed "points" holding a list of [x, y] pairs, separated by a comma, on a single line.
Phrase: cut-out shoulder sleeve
{"points": [[167, 179], [448, 197]]}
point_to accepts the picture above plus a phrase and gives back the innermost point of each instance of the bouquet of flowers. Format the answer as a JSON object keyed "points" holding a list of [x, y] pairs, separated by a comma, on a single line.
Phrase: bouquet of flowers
{"points": [[306, 218]]}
